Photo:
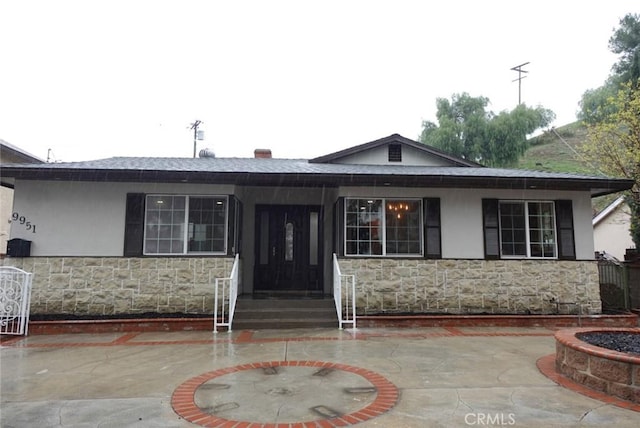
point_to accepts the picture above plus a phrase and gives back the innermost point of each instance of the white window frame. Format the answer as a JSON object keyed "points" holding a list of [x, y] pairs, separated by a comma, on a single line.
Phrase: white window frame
{"points": [[383, 227], [185, 238], [528, 230]]}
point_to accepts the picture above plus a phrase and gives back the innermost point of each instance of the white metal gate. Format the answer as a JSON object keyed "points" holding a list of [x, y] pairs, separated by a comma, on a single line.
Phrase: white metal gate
{"points": [[15, 300]]}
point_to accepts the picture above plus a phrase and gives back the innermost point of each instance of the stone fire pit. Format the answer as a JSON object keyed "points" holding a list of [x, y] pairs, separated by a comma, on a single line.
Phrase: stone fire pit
{"points": [[605, 370]]}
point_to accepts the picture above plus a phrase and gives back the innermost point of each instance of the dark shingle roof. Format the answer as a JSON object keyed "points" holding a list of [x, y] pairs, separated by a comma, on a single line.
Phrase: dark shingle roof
{"points": [[301, 172]]}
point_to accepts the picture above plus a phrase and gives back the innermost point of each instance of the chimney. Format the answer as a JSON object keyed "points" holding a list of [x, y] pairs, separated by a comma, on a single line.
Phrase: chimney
{"points": [[262, 153]]}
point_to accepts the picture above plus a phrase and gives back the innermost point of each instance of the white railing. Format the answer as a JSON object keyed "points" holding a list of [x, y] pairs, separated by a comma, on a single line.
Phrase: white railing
{"points": [[344, 295], [226, 294], [15, 300]]}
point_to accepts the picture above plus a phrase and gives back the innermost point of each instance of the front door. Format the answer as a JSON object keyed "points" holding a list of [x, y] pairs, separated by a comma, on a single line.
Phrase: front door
{"points": [[288, 248]]}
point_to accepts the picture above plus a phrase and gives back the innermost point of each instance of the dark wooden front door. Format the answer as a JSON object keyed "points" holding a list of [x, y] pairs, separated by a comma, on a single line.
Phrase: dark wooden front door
{"points": [[288, 248]]}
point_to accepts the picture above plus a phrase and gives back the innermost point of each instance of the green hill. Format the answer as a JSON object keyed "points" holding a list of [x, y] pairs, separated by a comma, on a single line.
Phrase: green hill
{"points": [[558, 150]]}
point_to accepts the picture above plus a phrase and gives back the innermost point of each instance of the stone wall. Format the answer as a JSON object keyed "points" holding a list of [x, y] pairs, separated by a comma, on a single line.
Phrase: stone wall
{"points": [[474, 286], [120, 285]]}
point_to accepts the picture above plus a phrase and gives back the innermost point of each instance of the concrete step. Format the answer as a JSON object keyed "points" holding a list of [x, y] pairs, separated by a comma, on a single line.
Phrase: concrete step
{"points": [[294, 313], [275, 323], [284, 303], [284, 313]]}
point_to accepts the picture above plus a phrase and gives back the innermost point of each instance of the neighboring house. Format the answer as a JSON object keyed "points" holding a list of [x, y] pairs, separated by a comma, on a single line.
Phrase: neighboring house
{"points": [[611, 229], [422, 231], [9, 154]]}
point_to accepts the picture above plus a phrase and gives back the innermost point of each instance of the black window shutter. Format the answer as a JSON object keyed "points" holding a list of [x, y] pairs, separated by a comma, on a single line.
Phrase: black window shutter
{"points": [[338, 227], [564, 226], [239, 213], [134, 225], [491, 229], [432, 230], [234, 219]]}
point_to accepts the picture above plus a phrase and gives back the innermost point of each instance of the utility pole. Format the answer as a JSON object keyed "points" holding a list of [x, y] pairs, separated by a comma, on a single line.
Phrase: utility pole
{"points": [[519, 69], [195, 126]]}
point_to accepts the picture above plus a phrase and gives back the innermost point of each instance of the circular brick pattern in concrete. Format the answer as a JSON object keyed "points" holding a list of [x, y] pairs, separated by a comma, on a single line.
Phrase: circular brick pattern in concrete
{"points": [[282, 394]]}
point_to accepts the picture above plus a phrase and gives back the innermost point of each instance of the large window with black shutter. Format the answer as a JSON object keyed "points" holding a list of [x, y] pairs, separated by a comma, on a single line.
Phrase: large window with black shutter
{"points": [[528, 229], [181, 224], [389, 227], [383, 227], [176, 224]]}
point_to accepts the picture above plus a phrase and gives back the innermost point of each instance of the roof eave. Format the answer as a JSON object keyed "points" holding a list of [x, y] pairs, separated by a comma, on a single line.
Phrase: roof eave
{"points": [[597, 187]]}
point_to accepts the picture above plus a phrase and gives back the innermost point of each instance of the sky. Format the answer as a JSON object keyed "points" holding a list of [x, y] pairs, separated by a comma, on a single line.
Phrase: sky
{"points": [[83, 80]]}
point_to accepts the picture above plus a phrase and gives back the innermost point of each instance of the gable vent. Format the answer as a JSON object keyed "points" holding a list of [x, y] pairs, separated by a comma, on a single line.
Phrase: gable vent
{"points": [[395, 153]]}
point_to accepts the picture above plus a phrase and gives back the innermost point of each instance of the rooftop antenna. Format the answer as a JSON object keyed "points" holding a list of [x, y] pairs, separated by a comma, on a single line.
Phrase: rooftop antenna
{"points": [[519, 69], [197, 135]]}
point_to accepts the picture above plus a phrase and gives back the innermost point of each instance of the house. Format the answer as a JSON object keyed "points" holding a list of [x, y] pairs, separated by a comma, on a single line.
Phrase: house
{"points": [[10, 154], [611, 229], [422, 231]]}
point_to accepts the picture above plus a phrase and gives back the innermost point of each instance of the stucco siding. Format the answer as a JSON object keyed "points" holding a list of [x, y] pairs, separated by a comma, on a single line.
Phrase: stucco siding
{"points": [[380, 156], [84, 218], [87, 218]]}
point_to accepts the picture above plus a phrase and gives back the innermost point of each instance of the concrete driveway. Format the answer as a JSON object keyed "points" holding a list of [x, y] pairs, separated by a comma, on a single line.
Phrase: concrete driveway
{"points": [[423, 377]]}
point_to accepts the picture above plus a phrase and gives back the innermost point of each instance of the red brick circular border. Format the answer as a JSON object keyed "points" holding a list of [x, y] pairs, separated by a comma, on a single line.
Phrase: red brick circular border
{"points": [[183, 398]]}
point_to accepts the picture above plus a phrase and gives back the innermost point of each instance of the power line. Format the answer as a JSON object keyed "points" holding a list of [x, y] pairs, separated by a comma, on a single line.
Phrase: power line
{"points": [[578, 155]]}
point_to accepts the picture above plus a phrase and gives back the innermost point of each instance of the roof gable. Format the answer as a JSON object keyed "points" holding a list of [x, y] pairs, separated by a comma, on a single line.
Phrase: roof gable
{"points": [[14, 154], [394, 150], [611, 208]]}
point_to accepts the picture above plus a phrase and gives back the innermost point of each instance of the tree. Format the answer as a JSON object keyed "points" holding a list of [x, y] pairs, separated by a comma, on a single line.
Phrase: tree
{"points": [[593, 105], [625, 42], [467, 130], [614, 144], [461, 125]]}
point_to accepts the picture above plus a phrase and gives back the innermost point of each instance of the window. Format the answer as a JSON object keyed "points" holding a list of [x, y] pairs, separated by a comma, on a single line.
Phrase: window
{"points": [[383, 227], [185, 224], [527, 229]]}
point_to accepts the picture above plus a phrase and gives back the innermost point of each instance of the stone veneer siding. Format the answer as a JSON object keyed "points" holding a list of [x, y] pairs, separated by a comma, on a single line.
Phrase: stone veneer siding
{"points": [[474, 286], [121, 285]]}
